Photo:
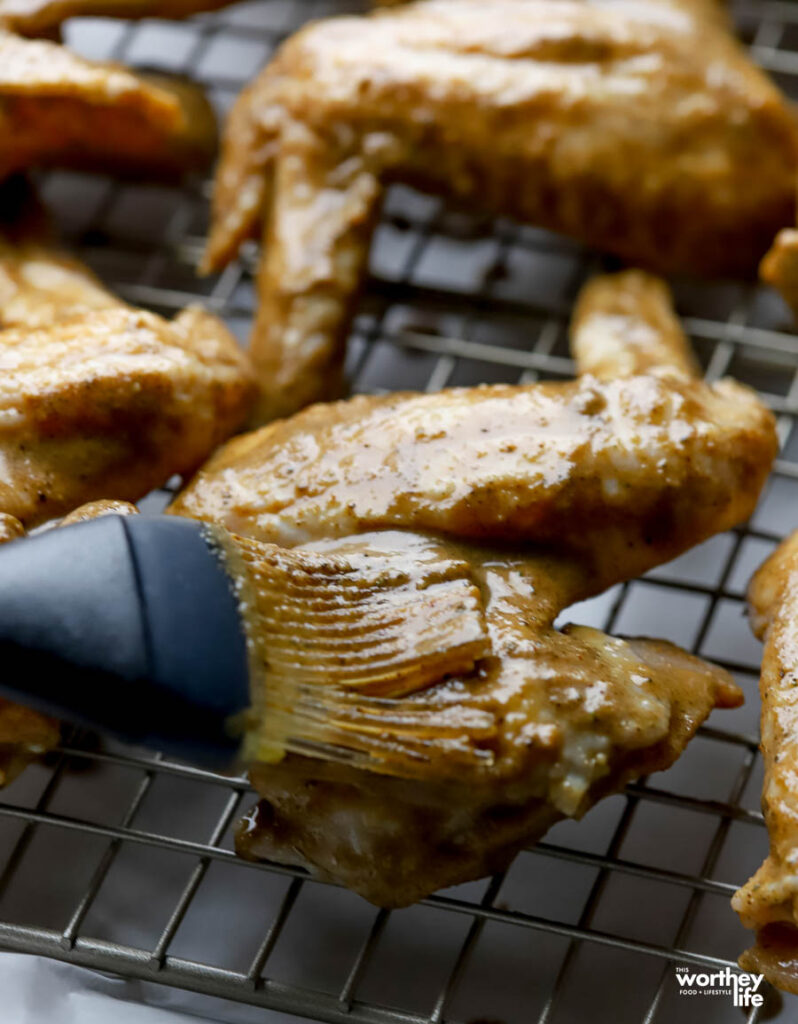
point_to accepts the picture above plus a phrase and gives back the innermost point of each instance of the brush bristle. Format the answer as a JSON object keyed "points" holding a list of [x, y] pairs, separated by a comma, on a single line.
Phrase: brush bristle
{"points": [[398, 737], [345, 638]]}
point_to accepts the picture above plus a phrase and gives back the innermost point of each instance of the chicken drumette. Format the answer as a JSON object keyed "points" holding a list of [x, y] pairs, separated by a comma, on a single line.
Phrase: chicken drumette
{"points": [[58, 109], [98, 399], [548, 494], [640, 127]]}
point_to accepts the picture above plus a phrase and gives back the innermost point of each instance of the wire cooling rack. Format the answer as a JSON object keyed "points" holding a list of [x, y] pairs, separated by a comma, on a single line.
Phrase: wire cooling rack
{"points": [[118, 861]]}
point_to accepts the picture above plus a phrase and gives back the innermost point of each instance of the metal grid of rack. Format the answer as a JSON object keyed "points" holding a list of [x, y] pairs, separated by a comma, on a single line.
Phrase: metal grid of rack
{"points": [[122, 862]]}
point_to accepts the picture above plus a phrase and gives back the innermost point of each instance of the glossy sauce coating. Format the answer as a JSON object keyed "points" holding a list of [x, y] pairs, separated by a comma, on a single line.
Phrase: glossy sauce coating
{"points": [[624, 472], [111, 403], [59, 109], [769, 901], [98, 400], [638, 126], [512, 482], [564, 717], [43, 17]]}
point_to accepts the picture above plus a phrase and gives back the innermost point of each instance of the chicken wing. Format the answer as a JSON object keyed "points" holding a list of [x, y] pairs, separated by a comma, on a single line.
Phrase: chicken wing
{"points": [[768, 903], [639, 127], [44, 17], [98, 399], [112, 402], [628, 469], [550, 493], [58, 109], [560, 719]]}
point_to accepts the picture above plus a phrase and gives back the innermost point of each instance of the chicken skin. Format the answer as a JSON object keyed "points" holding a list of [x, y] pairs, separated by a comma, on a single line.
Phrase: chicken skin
{"points": [[768, 903], [44, 17], [98, 399], [548, 494], [632, 463], [637, 126], [113, 402], [59, 109], [550, 723]]}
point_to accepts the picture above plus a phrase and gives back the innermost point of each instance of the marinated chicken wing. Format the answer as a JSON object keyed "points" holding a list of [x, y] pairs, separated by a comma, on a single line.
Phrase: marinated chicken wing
{"points": [[638, 126], [768, 903], [40, 286], [549, 493], [98, 399], [560, 719], [112, 402], [43, 17], [97, 509], [58, 109], [620, 466], [779, 268]]}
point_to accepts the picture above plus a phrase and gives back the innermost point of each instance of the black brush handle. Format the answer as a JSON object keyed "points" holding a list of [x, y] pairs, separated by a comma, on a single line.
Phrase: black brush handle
{"points": [[130, 625]]}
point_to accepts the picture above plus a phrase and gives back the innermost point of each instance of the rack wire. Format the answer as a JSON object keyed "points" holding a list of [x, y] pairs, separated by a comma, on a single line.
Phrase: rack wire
{"points": [[122, 862]]}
